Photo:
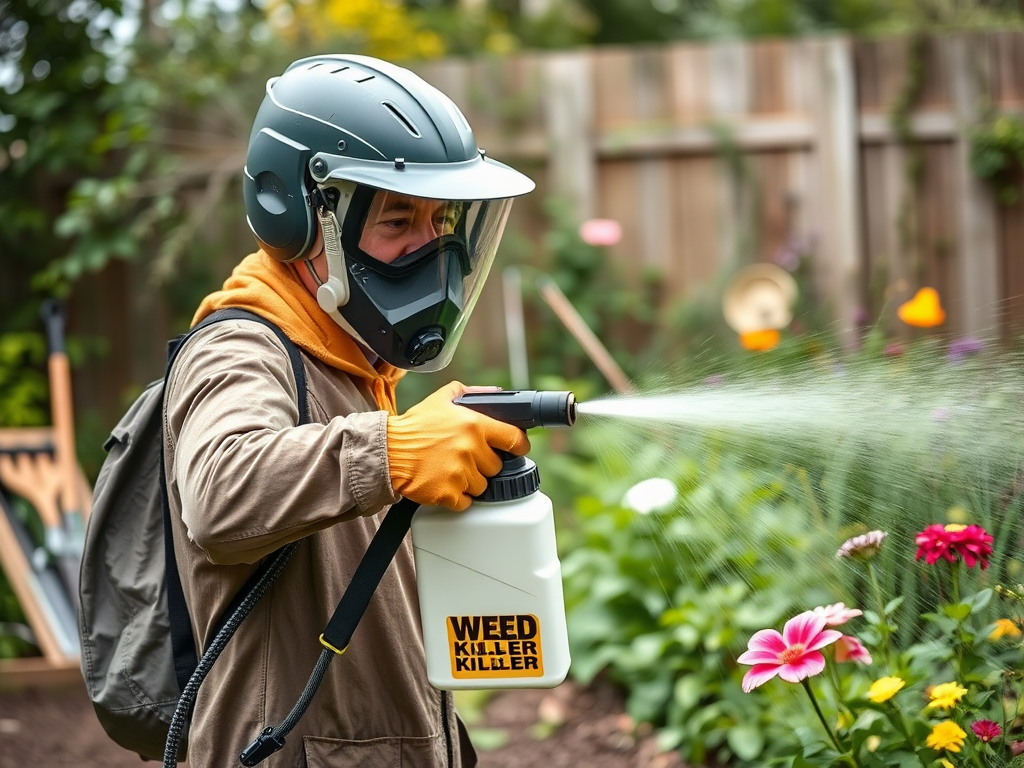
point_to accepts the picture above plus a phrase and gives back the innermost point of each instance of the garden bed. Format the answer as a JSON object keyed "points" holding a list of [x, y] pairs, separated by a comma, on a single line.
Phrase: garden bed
{"points": [[563, 727]]}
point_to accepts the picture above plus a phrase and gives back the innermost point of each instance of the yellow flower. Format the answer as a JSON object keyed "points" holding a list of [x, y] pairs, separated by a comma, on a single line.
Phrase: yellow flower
{"points": [[945, 696], [844, 720], [1004, 628], [884, 688], [872, 742], [946, 735], [946, 764], [924, 310]]}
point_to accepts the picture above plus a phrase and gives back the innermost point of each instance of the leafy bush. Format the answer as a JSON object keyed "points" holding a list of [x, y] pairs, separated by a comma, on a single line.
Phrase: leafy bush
{"points": [[662, 599], [962, 678]]}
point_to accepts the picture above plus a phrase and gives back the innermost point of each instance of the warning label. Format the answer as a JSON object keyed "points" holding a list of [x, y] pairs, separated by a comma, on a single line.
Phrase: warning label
{"points": [[495, 646]]}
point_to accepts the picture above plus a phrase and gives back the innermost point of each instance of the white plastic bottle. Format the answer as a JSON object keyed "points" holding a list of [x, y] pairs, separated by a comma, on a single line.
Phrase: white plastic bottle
{"points": [[490, 587]]}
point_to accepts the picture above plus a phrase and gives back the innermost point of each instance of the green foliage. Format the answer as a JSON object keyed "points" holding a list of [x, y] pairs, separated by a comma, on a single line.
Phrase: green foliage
{"points": [[997, 156], [664, 602], [926, 696], [23, 386], [51, 119], [621, 21], [596, 290]]}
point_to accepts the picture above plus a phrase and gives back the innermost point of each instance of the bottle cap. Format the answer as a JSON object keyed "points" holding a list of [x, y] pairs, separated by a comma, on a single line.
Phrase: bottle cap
{"points": [[518, 478]]}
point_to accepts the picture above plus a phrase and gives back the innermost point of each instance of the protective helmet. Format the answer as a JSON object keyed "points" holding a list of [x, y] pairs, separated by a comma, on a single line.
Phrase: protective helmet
{"points": [[342, 142]]}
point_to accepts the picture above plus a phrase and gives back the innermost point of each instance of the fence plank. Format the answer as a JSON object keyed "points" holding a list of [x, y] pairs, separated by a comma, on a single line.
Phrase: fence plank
{"points": [[836, 151], [569, 103], [975, 204]]}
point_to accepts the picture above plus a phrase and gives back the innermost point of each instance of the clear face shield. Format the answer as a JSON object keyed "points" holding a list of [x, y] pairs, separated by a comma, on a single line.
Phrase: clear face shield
{"points": [[415, 268]]}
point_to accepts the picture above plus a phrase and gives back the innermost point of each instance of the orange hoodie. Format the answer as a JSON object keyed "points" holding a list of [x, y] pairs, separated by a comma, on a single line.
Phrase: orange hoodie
{"points": [[271, 289]]}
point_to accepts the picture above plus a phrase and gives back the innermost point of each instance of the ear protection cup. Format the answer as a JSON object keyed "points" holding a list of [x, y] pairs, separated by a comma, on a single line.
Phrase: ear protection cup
{"points": [[278, 212]]}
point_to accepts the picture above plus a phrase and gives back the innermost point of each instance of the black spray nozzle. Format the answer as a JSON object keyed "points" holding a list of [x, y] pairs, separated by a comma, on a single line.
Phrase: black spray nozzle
{"points": [[524, 408]]}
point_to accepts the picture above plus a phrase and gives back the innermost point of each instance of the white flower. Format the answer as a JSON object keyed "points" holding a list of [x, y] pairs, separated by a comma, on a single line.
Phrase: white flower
{"points": [[863, 547], [837, 613], [653, 495]]}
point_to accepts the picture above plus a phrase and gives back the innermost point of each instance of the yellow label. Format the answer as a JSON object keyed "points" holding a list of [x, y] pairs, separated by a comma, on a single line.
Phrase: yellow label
{"points": [[495, 646]]}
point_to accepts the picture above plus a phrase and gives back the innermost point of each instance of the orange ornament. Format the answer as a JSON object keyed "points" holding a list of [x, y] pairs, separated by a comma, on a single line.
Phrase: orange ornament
{"points": [[924, 310], [760, 341]]}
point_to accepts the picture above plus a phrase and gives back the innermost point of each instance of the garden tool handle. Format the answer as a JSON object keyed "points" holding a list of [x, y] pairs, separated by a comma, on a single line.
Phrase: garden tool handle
{"points": [[61, 407]]}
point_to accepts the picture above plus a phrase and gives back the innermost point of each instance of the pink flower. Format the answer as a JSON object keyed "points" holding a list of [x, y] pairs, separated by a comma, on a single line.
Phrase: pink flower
{"points": [[986, 730], [600, 232], [971, 542], [837, 613], [893, 349], [793, 655], [849, 648]]}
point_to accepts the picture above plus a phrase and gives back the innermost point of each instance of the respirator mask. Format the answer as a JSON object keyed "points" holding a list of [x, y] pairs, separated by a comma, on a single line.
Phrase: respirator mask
{"points": [[405, 272]]}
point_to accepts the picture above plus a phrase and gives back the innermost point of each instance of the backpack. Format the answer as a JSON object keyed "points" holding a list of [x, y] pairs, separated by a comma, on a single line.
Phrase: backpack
{"points": [[138, 652]]}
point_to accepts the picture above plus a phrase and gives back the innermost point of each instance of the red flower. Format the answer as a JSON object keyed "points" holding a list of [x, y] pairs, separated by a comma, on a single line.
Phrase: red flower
{"points": [[986, 730], [971, 542]]}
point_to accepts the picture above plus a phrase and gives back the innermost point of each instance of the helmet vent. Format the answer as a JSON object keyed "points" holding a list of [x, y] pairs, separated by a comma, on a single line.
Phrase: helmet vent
{"points": [[401, 117], [364, 79]]}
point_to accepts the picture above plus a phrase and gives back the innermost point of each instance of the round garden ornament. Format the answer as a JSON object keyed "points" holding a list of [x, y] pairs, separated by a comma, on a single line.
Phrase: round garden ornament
{"points": [[758, 303]]}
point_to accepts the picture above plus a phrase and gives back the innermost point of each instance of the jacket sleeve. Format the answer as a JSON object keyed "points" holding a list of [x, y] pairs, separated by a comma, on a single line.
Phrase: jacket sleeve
{"points": [[249, 480]]}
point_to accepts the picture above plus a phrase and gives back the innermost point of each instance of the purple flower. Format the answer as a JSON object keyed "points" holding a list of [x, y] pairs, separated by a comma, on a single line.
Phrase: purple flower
{"points": [[961, 348], [788, 258]]}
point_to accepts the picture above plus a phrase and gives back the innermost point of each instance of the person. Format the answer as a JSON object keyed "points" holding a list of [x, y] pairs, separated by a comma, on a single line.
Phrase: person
{"points": [[377, 219]]}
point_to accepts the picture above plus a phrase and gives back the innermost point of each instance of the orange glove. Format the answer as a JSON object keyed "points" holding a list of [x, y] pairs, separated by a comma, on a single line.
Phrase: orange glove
{"points": [[441, 454]]}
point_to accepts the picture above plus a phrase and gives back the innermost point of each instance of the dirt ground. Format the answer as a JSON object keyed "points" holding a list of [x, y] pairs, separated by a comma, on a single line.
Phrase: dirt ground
{"points": [[558, 728]]}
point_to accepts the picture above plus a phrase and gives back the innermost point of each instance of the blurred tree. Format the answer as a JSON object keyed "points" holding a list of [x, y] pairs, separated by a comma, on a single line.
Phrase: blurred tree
{"points": [[55, 114], [389, 30], [641, 21]]}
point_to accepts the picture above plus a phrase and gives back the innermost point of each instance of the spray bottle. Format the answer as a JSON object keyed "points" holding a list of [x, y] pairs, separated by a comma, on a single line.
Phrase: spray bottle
{"points": [[490, 583]]}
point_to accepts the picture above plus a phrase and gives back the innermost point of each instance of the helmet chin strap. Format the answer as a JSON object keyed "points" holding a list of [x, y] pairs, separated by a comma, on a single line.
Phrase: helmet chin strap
{"points": [[333, 293]]}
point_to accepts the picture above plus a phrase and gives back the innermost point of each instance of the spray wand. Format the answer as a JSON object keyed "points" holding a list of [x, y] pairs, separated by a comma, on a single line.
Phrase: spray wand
{"points": [[524, 408]]}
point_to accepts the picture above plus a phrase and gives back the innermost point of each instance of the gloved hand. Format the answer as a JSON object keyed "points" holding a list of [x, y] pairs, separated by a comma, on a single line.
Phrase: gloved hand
{"points": [[441, 454]]}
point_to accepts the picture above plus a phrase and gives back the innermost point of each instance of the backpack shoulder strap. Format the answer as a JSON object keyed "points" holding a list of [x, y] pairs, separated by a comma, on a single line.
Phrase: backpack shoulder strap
{"points": [[183, 644], [234, 313]]}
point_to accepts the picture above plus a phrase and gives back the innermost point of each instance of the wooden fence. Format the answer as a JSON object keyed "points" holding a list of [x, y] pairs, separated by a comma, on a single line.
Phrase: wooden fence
{"points": [[642, 135], [712, 156]]}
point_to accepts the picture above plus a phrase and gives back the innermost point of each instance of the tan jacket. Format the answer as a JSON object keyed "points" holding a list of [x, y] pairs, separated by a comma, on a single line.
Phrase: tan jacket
{"points": [[243, 481]]}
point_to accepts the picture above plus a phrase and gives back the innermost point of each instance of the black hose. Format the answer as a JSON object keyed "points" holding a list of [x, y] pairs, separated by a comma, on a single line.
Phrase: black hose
{"points": [[187, 700], [272, 739]]}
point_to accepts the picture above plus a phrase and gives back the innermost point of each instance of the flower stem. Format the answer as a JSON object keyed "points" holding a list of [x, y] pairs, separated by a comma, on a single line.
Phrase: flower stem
{"points": [[902, 723], [824, 723], [883, 621], [954, 572]]}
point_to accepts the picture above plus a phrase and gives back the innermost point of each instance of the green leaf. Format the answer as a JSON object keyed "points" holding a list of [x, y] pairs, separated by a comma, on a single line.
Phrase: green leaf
{"points": [[957, 611], [746, 740], [487, 739], [893, 604], [688, 690], [669, 738], [981, 599]]}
